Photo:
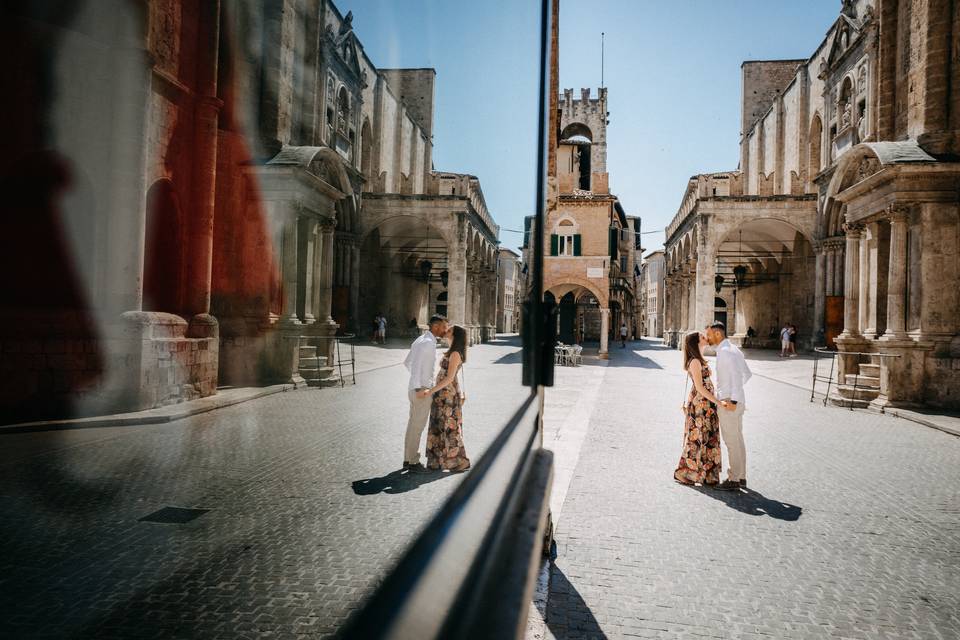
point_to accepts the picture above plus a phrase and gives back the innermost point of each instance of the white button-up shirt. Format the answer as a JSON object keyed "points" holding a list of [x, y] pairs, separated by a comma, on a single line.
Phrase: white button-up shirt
{"points": [[421, 361], [732, 372]]}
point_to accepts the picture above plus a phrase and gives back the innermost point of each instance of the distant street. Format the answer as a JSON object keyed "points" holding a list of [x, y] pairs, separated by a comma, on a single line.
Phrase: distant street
{"points": [[850, 527]]}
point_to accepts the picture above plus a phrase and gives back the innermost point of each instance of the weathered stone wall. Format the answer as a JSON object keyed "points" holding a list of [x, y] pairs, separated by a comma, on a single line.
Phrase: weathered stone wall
{"points": [[761, 81], [416, 90]]}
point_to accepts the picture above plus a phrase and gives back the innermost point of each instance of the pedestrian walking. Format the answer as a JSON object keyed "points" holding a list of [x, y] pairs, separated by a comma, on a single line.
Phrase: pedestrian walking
{"points": [[793, 341], [700, 460], [420, 362], [623, 335], [732, 374], [445, 450]]}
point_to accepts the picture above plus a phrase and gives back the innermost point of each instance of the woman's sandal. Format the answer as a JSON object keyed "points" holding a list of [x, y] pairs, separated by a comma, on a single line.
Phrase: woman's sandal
{"points": [[463, 466]]}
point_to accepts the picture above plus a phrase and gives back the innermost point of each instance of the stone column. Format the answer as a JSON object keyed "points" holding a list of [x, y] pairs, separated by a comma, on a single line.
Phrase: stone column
{"points": [[838, 270], [863, 279], [316, 283], [311, 274], [354, 286], [604, 331], [871, 279], [325, 306], [457, 287], [851, 281], [897, 278], [820, 292], [706, 290], [199, 265], [289, 264], [829, 260]]}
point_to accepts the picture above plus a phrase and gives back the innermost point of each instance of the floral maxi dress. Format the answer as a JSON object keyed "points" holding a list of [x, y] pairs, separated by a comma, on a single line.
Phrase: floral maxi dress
{"points": [[445, 435], [700, 460]]}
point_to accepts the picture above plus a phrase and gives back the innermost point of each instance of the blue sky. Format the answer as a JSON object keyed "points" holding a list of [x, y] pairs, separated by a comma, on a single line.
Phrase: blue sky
{"points": [[672, 70]]}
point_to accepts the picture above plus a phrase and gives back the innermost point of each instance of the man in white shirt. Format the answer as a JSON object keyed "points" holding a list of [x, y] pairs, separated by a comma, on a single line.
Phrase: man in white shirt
{"points": [[420, 362], [732, 374]]}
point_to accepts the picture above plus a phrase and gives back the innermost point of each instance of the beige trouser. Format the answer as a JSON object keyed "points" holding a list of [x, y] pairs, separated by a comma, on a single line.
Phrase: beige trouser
{"points": [[731, 430], [419, 414]]}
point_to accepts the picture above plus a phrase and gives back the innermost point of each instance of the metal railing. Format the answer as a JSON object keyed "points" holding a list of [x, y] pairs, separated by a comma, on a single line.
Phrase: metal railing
{"points": [[829, 379], [341, 362]]}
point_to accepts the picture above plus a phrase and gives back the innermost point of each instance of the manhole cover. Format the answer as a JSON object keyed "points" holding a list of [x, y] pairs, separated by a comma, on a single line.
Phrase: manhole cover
{"points": [[174, 515]]}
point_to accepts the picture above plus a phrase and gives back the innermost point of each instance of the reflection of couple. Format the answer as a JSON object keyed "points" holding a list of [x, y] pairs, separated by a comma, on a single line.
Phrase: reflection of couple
{"points": [[440, 401], [712, 413]]}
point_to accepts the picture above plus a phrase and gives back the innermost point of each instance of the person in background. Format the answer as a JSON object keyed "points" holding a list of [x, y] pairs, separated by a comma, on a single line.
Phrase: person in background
{"points": [[623, 335], [785, 340], [793, 341]]}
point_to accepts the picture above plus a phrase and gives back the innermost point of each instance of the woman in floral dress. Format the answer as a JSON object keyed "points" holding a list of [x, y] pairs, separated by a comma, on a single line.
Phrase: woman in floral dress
{"points": [[700, 460], [445, 434]]}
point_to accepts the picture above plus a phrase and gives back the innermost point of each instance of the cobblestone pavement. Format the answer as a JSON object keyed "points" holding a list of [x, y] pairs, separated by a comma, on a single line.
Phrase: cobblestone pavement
{"points": [[850, 528], [307, 511]]}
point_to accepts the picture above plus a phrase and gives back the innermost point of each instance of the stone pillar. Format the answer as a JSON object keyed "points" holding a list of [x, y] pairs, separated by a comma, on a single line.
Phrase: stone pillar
{"points": [[820, 293], [457, 287], [288, 264], [199, 265], [318, 271], [851, 279], [829, 260], [311, 273], [863, 281], [355, 287], [604, 331], [869, 280], [897, 278], [838, 271], [706, 290], [325, 306]]}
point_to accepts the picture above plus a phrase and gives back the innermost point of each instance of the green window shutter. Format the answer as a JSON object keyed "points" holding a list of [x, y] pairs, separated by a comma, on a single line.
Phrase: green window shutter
{"points": [[554, 244], [576, 244], [527, 224], [614, 237]]}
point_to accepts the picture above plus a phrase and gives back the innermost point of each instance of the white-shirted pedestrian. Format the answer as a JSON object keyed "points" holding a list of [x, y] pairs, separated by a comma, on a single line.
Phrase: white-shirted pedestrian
{"points": [[421, 362], [732, 374]]}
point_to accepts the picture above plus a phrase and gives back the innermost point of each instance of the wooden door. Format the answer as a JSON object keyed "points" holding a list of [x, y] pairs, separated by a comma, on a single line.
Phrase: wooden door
{"points": [[833, 322]]}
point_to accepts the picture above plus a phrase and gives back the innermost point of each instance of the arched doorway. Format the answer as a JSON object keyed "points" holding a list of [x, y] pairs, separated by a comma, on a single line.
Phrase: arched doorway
{"points": [[404, 272], [579, 134], [767, 266], [163, 251]]}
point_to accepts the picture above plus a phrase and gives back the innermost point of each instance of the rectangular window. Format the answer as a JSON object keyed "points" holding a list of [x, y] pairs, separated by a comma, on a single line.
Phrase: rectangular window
{"points": [[566, 246]]}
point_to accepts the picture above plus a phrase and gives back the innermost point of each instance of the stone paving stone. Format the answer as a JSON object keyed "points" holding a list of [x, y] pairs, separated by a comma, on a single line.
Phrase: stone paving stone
{"points": [[851, 526], [307, 511]]}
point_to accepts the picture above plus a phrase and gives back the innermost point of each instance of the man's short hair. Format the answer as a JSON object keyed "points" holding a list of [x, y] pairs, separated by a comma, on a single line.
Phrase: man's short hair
{"points": [[436, 318], [719, 326]]}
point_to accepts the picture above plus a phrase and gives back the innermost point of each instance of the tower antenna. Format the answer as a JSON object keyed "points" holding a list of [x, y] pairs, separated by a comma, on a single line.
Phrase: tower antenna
{"points": [[601, 59]]}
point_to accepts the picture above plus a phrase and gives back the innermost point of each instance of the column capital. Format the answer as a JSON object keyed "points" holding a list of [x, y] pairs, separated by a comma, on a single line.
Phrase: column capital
{"points": [[897, 212], [853, 229]]}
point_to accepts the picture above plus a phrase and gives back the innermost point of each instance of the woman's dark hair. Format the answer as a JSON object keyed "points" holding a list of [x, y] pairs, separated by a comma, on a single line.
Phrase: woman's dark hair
{"points": [[691, 349], [459, 342]]}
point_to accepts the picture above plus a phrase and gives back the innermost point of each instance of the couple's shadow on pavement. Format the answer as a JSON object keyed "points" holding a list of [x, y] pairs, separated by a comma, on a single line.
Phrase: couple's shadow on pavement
{"points": [[398, 481], [754, 503]]}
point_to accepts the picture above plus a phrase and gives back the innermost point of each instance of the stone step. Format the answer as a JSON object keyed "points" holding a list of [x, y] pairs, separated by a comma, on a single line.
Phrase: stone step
{"points": [[307, 350], [323, 377], [846, 403], [871, 370], [862, 381], [859, 393]]}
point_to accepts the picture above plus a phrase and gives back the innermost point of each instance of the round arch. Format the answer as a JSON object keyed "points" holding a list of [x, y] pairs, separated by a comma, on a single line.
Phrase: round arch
{"points": [[576, 129]]}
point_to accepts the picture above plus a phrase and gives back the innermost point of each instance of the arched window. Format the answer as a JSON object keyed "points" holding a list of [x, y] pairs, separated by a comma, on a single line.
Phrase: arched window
{"points": [[815, 141], [565, 240]]}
